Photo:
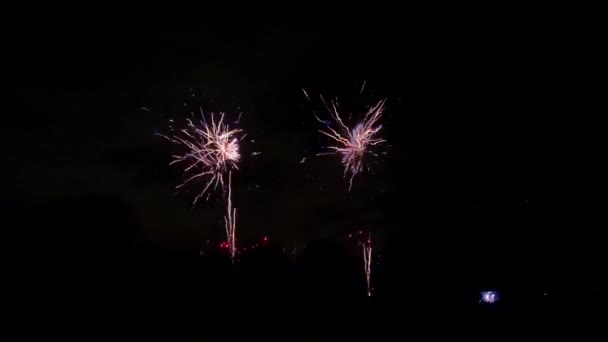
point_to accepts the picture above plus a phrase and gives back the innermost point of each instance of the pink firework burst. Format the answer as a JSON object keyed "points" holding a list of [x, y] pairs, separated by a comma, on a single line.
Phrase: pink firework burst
{"points": [[212, 149], [355, 144]]}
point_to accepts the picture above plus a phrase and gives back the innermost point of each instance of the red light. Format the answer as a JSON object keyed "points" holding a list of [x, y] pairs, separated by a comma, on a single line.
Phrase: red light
{"points": [[360, 232], [350, 235], [265, 238], [369, 241]]}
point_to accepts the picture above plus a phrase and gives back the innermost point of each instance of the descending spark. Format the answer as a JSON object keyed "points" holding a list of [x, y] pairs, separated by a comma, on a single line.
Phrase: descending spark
{"points": [[230, 220], [253, 154], [367, 263], [362, 87], [353, 144], [306, 94], [303, 160], [212, 149]]}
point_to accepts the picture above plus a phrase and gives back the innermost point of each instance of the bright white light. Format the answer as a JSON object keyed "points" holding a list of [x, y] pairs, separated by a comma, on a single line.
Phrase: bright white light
{"points": [[489, 297]]}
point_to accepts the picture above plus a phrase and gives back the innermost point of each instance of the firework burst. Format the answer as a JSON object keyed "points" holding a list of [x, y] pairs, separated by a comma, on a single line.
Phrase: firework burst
{"points": [[355, 144], [212, 149]]}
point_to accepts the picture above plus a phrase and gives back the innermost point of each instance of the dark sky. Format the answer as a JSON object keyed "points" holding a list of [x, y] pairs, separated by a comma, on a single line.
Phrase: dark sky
{"points": [[478, 121]]}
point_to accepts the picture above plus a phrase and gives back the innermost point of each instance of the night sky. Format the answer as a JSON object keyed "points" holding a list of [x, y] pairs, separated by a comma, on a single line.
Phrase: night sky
{"points": [[481, 156]]}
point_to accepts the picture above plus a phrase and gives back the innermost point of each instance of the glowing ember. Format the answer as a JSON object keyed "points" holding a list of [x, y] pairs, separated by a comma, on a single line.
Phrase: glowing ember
{"points": [[489, 297]]}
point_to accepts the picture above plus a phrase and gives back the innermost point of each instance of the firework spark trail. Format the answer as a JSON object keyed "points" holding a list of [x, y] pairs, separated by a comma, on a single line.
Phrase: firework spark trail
{"points": [[212, 149], [230, 220], [306, 94], [353, 144], [367, 263]]}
